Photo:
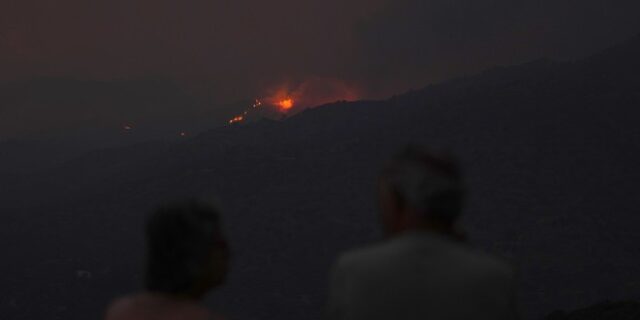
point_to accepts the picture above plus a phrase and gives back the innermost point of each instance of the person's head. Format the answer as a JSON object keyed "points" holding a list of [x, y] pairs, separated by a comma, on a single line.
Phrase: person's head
{"points": [[187, 254], [420, 190]]}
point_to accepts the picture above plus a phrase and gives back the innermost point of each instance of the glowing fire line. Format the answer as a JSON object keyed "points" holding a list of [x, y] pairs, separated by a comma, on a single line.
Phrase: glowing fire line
{"points": [[239, 118], [283, 105]]}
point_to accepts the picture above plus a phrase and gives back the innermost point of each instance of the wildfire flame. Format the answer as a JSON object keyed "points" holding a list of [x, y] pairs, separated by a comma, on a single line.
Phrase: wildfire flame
{"points": [[239, 118], [288, 99], [285, 104], [236, 119]]}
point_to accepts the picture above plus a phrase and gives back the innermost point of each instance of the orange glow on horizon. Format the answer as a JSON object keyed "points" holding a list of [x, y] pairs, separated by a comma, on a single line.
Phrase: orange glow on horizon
{"points": [[286, 104], [288, 99]]}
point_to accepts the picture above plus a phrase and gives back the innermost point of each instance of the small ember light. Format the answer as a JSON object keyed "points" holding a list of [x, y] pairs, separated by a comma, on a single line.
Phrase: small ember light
{"points": [[236, 119], [241, 117]]}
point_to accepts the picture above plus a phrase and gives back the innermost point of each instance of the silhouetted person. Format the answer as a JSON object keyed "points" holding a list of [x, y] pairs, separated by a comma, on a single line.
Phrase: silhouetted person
{"points": [[424, 270], [187, 256]]}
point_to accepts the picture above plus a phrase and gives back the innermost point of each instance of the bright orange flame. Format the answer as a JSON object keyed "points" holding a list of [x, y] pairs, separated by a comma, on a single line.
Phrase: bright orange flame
{"points": [[286, 104]]}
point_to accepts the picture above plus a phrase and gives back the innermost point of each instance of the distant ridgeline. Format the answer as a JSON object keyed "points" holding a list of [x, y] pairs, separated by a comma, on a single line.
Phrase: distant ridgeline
{"points": [[621, 310]]}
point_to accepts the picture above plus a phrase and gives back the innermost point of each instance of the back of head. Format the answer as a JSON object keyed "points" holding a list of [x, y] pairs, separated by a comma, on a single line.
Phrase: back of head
{"points": [[426, 183], [181, 240]]}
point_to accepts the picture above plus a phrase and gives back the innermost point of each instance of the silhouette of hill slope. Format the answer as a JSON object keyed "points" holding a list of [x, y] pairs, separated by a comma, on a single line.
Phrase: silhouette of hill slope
{"points": [[550, 151], [46, 121], [622, 310]]}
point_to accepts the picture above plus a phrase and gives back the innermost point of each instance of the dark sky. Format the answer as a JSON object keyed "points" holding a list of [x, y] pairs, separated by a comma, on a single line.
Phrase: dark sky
{"points": [[237, 46], [240, 49]]}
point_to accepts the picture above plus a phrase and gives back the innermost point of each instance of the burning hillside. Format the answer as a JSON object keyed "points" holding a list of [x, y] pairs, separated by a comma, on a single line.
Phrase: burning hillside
{"points": [[289, 99]]}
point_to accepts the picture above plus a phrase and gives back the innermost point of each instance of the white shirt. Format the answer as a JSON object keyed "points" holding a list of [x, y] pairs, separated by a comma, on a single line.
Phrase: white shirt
{"points": [[419, 275]]}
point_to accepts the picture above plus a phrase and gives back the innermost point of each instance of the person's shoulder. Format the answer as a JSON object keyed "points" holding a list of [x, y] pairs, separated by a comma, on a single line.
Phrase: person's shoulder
{"points": [[387, 254], [121, 306], [366, 256], [130, 307], [490, 262], [486, 265]]}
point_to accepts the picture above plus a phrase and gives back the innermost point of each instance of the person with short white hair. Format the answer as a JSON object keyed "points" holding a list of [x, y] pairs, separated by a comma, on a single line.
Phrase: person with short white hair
{"points": [[424, 269]]}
